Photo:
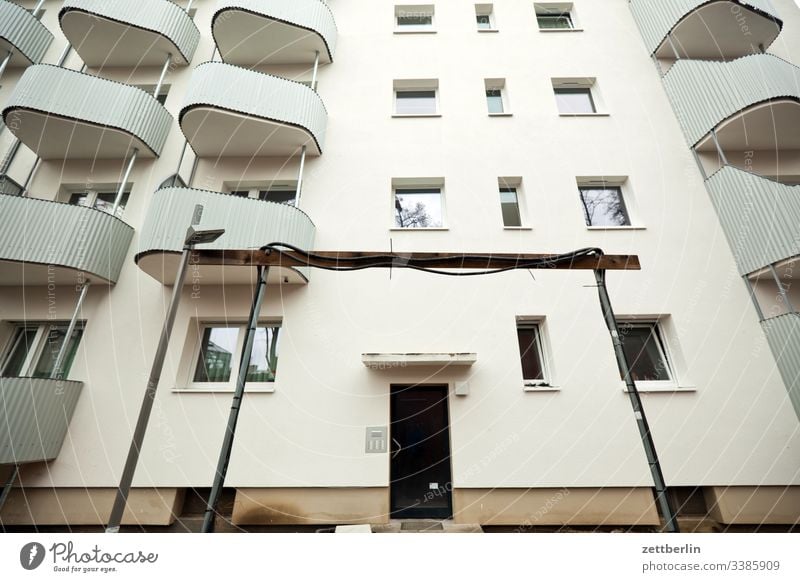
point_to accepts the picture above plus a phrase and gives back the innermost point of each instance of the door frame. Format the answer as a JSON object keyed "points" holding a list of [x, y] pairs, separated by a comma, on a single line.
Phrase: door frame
{"points": [[422, 512]]}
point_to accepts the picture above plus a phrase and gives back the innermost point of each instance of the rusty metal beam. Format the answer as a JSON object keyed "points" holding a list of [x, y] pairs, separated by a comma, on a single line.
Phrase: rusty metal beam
{"points": [[435, 260]]}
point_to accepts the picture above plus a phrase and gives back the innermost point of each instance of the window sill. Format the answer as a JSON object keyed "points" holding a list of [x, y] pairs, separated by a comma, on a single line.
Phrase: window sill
{"points": [[597, 114], [652, 386], [399, 31], [549, 30], [488, 30], [504, 114], [424, 229], [547, 388], [633, 227], [512, 228], [261, 389], [416, 114]]}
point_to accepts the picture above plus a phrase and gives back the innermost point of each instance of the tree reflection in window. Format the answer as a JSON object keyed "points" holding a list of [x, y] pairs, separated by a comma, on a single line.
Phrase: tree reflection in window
{"points": [[418, 208]]}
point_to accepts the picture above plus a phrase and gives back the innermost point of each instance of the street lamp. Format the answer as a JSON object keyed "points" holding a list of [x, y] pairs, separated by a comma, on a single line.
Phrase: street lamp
{"points": [[193, 237]]}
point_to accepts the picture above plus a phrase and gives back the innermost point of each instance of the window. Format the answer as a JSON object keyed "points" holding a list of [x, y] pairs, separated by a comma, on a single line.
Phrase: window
{"points": [[162, 93], [644, 350], [414, 18], [604, 205], [103, 201], [554, 16], [220, 349], [574, 100], [9, 186], [509, 203], [530, 352], [282, 193], [416, 97], [34, 348], [496, 101], [279, 195], [484, 17], [418, 207]]}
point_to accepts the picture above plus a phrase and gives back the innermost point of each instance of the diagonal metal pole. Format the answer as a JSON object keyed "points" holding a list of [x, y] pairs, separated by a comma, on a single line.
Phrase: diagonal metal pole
{"points": [[638, 409], [233, 418]]}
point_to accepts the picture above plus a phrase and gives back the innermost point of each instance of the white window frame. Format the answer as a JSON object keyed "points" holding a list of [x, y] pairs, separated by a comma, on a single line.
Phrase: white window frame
{"points": [[497, 85], [514, 182], [557, 8], [414, 9], [39, 344], [405, 85], [547, 383], [485, 10], [628, 198], [663, 349], [230, 385], [92, 193], [585, 83], [418, 183]]}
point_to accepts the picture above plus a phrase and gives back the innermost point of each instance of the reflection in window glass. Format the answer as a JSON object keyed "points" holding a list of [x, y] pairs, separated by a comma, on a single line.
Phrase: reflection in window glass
{"points": [[216, 354], [264, 358], [412, 19], [415, 102], [554, 21], [484, 21], [644, 351], [494, 99], [21, 345], [56, 335], [279, 196], [418, 208], [604, 206], [575, 100], [509, 204]]}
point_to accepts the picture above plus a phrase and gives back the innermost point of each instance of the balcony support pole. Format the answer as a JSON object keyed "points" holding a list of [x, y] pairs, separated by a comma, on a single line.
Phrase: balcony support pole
{"points": [[316, 70], [36, 10], [672, 46], [28, 179], [164, 70], [176, 175], [723, 158], [4, 63], [124, 183], [300, 172], [238, 395], [189, 6], [7, 486], [62, 353], [699, 164], [782, 290], [662, 499], [752, 291], [9, 159], [64, 54]]}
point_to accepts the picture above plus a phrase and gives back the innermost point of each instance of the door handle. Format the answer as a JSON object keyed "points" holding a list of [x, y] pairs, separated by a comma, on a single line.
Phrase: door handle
{"points": [[399, 447]]}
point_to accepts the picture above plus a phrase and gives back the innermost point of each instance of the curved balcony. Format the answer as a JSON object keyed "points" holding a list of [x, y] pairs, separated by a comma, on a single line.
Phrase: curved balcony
{"points": [[760, 217], [705, 94], [122, 33], [783, 336], [703, 29], [258, 32], [44, 242], [248, 224], [34, 418], [63, 114], [233, 112], [22, 34]]}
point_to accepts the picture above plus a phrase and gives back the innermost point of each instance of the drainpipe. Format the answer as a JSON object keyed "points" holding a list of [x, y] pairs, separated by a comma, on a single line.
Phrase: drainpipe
{"points": [[230, 431], [62, 353], [163, 75], [121, 190], [7, 487], [300, 176]]}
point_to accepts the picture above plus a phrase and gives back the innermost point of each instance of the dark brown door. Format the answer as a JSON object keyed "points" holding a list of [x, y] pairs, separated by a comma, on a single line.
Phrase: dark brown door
{"points": [[420, 453]]}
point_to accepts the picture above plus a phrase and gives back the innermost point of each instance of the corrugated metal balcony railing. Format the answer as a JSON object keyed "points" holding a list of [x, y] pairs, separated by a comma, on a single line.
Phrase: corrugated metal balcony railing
{"points": [[248, 223], [783, 335], [234, 112], [129, 33], [22, 34], [63, 114], [34, 417], [657, 18], [43, 242], [760, 217], [254, 32], [705, 93]]}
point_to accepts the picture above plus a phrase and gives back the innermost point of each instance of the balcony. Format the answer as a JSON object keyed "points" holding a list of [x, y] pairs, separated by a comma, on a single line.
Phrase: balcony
{"points": [[35, 417], [43, 242], [63, 114], [248, 224], [22, 34], [703, 29], [260, 32], [760, 217], [783, 335], [233, 112], [125, 33]]}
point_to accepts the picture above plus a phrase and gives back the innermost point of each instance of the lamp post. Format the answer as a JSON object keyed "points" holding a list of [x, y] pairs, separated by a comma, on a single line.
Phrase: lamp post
{"points": [[193, 237]]}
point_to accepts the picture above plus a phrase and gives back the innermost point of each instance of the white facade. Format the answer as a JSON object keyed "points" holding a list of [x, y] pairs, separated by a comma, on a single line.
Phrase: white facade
{"points": [[723, 420]]}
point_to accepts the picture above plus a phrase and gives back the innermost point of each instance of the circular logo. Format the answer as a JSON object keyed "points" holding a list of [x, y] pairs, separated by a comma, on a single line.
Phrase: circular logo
{"points": [[31, 555]]}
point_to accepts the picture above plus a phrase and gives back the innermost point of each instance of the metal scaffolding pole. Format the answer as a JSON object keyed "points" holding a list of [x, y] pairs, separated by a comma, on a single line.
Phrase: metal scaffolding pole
{"points": [[638, 409], [236, 405]]}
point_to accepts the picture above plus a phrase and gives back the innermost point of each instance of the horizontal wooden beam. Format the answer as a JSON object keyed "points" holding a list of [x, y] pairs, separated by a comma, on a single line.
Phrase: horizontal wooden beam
{"points": [[354, 259]]}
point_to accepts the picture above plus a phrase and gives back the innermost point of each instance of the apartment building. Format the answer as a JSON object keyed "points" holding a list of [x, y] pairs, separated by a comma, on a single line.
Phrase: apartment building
{"points": [[665, 129]]}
